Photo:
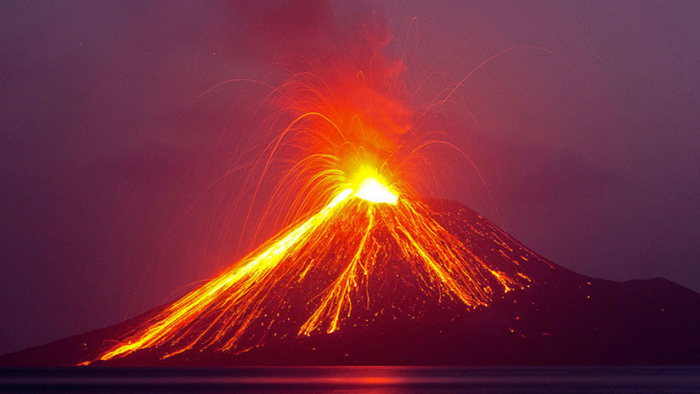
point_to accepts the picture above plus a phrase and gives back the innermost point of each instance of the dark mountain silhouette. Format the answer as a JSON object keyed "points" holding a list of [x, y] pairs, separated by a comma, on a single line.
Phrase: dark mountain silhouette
{"points": [[561, 318]]}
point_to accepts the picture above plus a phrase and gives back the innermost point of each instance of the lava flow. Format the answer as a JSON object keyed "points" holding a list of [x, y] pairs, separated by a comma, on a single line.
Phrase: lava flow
{"points": [[353, 156], [339, 241]]}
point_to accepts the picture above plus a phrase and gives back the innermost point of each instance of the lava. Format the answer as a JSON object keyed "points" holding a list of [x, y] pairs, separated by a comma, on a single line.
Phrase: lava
{"points": [[221, 313]]}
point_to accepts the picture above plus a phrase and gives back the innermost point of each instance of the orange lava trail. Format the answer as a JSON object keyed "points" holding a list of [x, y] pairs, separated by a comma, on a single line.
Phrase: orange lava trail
{"points": [[245, 278], [221, 313]]}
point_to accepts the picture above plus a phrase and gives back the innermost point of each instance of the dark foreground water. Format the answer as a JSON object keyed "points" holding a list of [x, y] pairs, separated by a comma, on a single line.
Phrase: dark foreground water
{"points": [[354, 380]]}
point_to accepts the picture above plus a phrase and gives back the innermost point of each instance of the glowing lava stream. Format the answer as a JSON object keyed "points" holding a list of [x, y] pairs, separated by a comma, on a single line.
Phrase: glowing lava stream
{"points": [[204, 296], [222, 313]]}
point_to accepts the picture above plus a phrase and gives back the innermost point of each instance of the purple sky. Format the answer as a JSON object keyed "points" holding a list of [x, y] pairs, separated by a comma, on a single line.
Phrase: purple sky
{"points": [[592, 154]]}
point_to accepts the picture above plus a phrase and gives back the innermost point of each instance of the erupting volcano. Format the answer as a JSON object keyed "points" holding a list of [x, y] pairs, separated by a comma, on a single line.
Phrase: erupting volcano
{"points": [[352, 141], [366, 268]]}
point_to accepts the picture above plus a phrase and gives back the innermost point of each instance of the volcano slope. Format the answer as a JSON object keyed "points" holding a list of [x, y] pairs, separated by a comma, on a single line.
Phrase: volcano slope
{"points": [[536, 313]]}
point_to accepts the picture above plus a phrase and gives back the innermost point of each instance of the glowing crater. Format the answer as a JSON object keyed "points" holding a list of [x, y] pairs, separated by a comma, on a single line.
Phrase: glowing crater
{"points": [[374, 191]]}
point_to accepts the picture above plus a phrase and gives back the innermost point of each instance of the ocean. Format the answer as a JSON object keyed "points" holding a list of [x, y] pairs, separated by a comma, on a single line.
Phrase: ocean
{"points": [[354, 380]]}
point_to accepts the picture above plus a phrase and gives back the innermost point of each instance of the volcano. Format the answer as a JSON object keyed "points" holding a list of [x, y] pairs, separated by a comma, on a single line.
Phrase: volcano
{"points": [[375, 299]]}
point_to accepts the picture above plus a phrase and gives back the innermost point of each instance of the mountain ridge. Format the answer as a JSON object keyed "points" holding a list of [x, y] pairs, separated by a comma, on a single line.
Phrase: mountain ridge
{"points": [[563, 318]]}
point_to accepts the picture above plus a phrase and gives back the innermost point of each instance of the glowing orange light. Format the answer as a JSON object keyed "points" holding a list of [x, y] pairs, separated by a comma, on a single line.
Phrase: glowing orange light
{"points": [[372, 190]]}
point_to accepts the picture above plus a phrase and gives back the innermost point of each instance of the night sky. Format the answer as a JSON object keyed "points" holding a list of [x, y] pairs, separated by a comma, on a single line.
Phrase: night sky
{"points": [[590, 148]]}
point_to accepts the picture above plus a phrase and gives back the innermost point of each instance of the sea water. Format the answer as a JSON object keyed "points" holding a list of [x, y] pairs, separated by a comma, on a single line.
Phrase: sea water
{"points": [[355, 380]]}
